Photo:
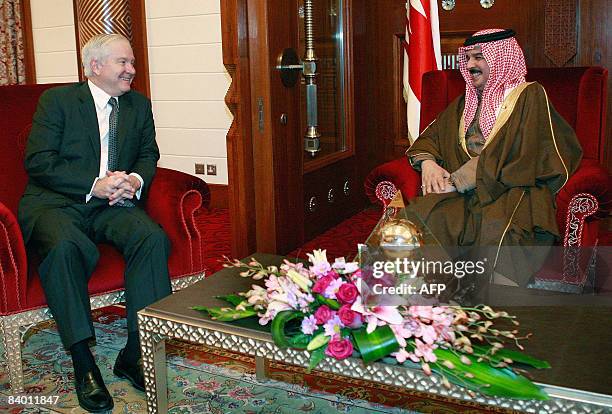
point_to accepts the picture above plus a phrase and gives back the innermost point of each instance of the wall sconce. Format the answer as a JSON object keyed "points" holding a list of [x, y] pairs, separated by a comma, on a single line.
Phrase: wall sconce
{"points": [[450, 4]]}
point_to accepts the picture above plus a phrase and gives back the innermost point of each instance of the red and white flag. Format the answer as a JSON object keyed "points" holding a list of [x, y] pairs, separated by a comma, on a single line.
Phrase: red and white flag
{"points": [[421, 54]]}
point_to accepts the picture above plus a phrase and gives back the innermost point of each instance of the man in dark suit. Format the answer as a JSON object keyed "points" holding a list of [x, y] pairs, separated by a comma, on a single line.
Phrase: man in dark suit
{"points": [[91, 157]]}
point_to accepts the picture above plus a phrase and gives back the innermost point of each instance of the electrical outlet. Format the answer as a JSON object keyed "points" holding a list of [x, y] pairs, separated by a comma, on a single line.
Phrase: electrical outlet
{"points": [[200, 168], [211, 169]]}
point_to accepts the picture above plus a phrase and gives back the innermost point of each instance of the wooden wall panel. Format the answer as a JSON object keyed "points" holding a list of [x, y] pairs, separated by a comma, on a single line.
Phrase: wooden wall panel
{"points": [[140, 46], [241, 196], [219, 196], [377, 88], [595, 48]]}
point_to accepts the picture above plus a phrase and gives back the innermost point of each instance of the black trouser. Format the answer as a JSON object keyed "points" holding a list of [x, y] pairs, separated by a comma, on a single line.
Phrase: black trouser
{"points": [[66, 239]]}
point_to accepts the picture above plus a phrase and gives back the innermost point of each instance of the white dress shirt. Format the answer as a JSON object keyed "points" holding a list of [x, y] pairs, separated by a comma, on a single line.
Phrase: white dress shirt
{"points": [[103, 110]]}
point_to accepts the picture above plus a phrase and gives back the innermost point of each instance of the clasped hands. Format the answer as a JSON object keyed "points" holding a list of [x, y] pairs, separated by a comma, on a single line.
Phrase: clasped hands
{"points": [[116, 186], [435, 179]]}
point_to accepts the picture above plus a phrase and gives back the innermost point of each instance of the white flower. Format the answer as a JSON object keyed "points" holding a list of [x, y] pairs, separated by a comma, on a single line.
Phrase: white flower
{"points": [[257, 295], [303, 282], [351, 267], [345, 268], [320, 265], [274, 307]]}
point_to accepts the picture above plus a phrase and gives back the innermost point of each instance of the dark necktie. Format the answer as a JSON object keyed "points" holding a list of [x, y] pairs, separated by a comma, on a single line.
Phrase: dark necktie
{"points": [[113, 156]]}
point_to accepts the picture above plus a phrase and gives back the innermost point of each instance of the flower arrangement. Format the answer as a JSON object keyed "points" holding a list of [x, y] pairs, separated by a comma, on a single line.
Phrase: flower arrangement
{"points": [[319, 308]]}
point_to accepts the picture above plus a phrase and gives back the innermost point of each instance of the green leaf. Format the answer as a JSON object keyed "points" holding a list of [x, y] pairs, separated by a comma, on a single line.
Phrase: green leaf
{"points": [[316, 356], [333, 304], [515, 356], [226, 314], [495, 382], [378, 344], [299, 341], [318, 341], [279, 326], [234, 300]]}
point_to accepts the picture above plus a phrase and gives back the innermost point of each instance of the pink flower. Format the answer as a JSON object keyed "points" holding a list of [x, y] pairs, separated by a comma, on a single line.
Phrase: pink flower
{"points": [[309, 325], [356, 275], [333, 326], [332, 289], [377, 315], [402, 355], [425, 351], [401, 333], [347, 293], [350, 318], [428, 334], [323, 314], [440, 314], [423, 312], [323, 282], [339, 348]]}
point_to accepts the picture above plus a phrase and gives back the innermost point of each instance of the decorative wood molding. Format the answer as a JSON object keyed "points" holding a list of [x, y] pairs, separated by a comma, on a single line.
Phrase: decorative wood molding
{"points": [[28, 42], [560, 31], [240, 192]]}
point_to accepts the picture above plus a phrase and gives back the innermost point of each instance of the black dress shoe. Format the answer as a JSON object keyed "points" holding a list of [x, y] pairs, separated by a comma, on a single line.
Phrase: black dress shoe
{"points": [[133, 372], [92, 393]]}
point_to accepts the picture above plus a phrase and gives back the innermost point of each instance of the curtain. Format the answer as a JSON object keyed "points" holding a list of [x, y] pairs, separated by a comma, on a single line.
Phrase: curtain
{"points": [[12, 66]]}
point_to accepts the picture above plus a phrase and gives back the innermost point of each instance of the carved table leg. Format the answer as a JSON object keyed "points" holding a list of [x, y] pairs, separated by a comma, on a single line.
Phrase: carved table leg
{"points": [[12, 351], [153, 347], [260, 368]]}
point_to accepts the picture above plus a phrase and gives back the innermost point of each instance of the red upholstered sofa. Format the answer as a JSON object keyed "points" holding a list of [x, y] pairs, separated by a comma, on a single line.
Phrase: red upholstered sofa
{"points": [[176, 200], [580, 96]]}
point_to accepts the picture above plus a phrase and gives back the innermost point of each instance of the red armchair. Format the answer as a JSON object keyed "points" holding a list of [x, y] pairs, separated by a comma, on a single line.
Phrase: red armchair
{"points": [[176, 201], [580, 96]]}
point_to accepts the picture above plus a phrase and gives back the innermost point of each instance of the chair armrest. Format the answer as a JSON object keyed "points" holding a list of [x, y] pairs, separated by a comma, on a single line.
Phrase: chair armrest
{"points": [[13, 263], [400, 173], [175, 199], [589, 179]]}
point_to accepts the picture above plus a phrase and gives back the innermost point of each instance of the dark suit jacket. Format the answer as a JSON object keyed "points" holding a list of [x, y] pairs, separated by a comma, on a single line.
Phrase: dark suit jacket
{"points": [[62, 156]]}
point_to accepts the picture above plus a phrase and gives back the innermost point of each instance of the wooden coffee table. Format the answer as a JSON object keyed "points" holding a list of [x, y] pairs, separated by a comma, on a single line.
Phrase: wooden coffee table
{"points": [[577, 341]]}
